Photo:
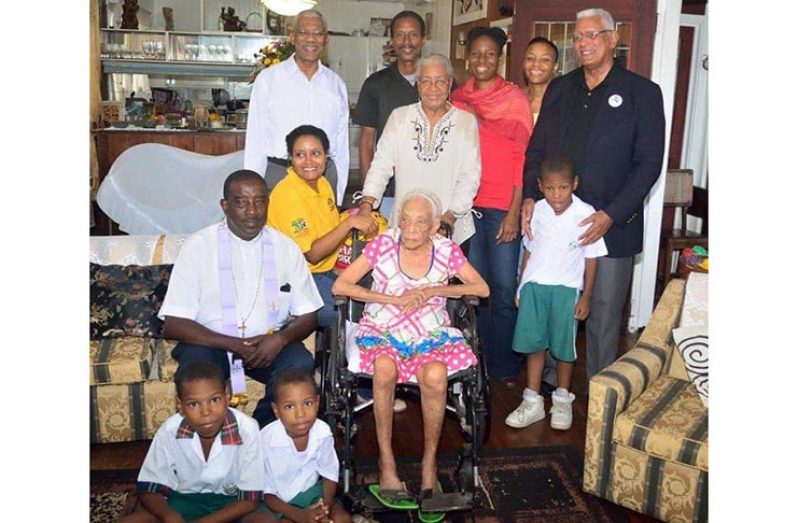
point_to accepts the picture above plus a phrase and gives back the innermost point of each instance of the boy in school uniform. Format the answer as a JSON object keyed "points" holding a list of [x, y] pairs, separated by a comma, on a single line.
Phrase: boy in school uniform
{"points": [[204, 463], [557, 275], [301, 472]]}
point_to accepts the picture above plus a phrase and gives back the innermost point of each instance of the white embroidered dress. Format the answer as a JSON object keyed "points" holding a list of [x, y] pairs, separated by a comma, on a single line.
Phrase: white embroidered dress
{"points": [[444, 160]]}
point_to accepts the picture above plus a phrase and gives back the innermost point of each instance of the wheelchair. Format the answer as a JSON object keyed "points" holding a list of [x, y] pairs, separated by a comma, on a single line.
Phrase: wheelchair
{"points": [[468, 398]]}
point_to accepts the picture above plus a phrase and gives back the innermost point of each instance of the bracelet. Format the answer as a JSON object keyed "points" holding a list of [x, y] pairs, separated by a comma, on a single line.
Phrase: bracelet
{"points": [[369, 200]]}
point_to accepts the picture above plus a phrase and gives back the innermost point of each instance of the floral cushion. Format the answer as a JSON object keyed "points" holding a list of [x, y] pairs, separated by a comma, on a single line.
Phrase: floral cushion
{"points": [[134, 411], [125, 300], [120, 360], [167, 365], [667, 421]]}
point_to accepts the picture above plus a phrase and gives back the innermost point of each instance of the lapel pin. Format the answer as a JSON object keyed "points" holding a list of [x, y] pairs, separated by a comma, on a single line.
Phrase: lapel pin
{"points": [[615, 101]]}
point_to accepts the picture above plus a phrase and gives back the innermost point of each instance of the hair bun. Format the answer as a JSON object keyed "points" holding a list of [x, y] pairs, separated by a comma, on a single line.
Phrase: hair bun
{"points": [[499, 35], [496, 34]]}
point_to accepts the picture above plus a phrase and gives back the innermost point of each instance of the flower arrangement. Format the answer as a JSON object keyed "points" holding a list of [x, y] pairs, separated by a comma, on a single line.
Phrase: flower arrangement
{"points": [[271, 54]]}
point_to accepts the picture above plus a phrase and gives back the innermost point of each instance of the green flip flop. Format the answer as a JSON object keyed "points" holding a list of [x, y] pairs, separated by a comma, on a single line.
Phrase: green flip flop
{"points": [[431, 517], [398, 499]]}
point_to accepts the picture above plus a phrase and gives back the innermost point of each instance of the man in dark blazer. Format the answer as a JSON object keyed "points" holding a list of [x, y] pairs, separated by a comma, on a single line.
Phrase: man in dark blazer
{"points": [[610, 123]]}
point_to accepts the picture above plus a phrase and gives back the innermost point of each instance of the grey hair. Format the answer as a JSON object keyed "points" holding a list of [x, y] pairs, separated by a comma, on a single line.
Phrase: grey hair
{"points": [[606, 18], [422, 194], [437, 58], [312, 13]]}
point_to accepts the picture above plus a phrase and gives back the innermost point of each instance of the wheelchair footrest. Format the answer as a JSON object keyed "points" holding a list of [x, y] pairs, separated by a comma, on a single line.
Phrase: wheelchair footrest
{"points": [[445, 502]]}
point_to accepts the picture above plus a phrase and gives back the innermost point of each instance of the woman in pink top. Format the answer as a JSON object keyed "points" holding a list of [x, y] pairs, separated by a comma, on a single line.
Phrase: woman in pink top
{"points": [[405, 332], [505, 124]]}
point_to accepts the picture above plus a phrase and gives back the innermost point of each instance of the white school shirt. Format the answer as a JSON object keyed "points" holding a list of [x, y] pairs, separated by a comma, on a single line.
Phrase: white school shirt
{"points": [[282, 99], [289, 472], [193, 292], [175, 461], [556, 258]]}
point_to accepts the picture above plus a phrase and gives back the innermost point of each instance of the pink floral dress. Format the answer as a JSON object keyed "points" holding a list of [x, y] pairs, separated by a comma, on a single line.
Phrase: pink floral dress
{"points": [[420, 336]]}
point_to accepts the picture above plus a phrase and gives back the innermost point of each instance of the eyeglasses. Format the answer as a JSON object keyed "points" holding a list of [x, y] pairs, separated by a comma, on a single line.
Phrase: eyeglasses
{"points": [[590, 35], [439, 83], [305, 34]]}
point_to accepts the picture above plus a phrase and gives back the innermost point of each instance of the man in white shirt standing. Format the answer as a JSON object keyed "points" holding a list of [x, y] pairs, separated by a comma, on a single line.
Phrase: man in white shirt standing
{"points": [[232, 289], [299, 91]]}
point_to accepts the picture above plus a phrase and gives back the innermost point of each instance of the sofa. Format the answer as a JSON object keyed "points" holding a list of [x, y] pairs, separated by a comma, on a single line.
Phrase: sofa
{"points": [[646, 446], [131, 368]]}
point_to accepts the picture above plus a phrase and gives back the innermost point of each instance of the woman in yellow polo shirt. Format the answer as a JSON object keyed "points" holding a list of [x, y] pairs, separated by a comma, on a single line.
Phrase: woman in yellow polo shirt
{"points": [[302, 206]]}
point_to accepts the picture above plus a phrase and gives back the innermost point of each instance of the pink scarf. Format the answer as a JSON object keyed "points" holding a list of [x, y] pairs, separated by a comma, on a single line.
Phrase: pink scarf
{"points": [[502, 108]]}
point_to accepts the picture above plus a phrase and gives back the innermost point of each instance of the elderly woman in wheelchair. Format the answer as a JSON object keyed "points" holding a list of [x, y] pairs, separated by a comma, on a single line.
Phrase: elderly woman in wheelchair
{"points": [[405, 333]]}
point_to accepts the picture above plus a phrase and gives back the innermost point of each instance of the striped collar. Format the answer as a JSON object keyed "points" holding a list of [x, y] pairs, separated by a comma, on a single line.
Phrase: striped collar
{"points": [[229, 432]]}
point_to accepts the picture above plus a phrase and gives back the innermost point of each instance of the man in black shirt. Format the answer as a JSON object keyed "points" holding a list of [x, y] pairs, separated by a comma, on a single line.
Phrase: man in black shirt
{"points": [[610, 123], [388, 89]]}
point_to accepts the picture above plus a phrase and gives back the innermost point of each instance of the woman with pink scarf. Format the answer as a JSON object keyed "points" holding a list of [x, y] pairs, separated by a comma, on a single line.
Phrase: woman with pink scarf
{"points": [[505, 124]]}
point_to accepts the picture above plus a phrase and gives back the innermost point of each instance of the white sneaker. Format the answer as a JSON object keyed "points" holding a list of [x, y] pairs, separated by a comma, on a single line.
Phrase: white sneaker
{"points": [[562, 414], [527, 413]]}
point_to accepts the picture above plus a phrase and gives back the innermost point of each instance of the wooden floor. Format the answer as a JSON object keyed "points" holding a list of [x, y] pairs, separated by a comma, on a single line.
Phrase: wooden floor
{"points": [[130, 455]]}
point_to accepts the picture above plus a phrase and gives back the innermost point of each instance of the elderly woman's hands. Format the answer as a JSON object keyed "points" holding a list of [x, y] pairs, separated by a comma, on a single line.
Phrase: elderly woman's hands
{"points": [[414, 298]]}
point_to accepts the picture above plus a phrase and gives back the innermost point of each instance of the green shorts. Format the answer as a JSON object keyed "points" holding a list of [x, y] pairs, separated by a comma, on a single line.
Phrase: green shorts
{"points": [[195, 506], [305, 499], [546, 320]]}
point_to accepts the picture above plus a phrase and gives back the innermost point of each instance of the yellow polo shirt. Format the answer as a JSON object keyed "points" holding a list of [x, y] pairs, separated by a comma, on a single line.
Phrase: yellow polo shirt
{"points": [[303, 214]]}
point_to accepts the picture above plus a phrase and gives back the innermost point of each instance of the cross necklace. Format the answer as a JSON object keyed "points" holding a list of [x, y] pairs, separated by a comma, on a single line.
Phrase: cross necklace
{"points": [[243, 326]]}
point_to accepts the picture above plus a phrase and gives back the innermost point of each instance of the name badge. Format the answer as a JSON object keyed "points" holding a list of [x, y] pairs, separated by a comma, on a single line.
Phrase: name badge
{"points": [[615, 101]]}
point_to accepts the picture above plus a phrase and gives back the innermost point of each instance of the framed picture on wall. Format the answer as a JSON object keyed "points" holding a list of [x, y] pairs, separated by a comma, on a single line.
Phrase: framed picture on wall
{"points": [[469, 10]]}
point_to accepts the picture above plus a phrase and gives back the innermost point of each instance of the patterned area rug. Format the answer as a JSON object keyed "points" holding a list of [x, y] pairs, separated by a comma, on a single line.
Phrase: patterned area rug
{"points": [[112, 495], [530, 485]]}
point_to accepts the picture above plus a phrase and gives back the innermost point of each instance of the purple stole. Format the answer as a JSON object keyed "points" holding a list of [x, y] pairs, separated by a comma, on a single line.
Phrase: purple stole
{"points": [[228, 295]]}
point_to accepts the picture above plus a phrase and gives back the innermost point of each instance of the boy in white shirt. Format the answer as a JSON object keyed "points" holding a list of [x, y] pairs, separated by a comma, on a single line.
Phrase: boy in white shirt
{"points": [[301, 473], [554, 269], [204, 462]]}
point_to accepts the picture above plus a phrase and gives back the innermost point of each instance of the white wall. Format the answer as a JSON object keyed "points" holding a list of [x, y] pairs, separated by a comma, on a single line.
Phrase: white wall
{"points": [[663, 72], [439, 34]]}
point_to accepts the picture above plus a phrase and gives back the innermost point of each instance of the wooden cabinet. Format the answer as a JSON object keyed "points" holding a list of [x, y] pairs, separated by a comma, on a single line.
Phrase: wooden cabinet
{"points": [[110, 144]]}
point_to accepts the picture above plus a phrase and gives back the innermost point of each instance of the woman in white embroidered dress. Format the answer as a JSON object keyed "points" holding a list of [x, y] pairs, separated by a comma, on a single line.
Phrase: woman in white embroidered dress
{"points": [[431, 145]]}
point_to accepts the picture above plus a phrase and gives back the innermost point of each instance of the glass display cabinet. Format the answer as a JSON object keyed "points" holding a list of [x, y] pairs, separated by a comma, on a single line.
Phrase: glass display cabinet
{"points": [[191, 63]]}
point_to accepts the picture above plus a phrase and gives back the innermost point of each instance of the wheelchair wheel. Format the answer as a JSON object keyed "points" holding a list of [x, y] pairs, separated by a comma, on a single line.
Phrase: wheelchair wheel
{"points": [[330, 382], [478, 417], [328, 401], [465, 472], [479, 394]]}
